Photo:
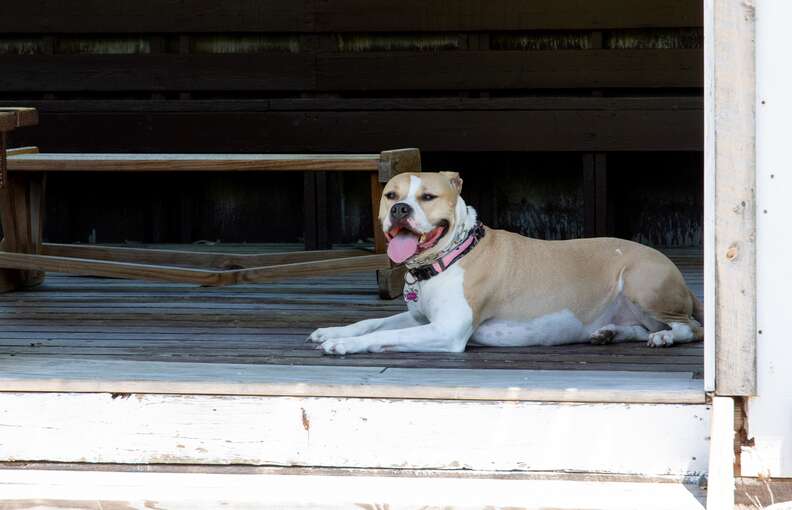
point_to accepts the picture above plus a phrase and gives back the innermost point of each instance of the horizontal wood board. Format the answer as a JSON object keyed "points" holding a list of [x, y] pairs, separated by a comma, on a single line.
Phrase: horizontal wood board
{"points": [[169, 16], [369, 71], [369, 125]]}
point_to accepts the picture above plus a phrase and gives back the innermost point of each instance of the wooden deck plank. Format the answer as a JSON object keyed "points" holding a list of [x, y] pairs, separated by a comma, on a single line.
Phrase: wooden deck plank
{"points": [[50, 374], [100, 319]]}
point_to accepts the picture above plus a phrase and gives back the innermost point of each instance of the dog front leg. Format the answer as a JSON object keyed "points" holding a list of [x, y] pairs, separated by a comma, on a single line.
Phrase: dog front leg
{"points": [[398, 321], [431, 337]]}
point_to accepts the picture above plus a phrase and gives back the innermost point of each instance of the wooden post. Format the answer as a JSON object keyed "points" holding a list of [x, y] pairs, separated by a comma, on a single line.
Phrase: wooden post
{"points": [[315, 211], [390, 281], [21, 207], [731, 160], [720, 479], [595, 195]]}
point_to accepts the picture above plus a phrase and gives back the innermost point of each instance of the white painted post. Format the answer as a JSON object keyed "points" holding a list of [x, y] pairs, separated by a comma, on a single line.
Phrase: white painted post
{"points": [[770, 413], [720, 479]]}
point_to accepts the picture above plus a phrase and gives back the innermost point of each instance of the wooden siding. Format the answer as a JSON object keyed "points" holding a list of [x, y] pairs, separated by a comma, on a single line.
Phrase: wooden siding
{"points": [[476, 77]]}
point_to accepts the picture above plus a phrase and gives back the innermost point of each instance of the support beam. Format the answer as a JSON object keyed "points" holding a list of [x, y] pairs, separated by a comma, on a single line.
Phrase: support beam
{"points": [[211, 260], [731, 89], [134, 271]]}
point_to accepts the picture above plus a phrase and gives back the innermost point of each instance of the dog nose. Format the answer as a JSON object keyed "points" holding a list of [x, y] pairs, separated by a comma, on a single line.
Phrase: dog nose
{"points": [[400, 211]]}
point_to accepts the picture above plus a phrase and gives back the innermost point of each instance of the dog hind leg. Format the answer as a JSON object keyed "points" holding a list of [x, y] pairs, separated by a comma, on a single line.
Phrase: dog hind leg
{"points": [[619, 333]]}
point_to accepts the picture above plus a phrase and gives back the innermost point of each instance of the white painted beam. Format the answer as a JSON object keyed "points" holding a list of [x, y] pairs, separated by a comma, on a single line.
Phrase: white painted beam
{"points": [[177, 491], [641, 439]]}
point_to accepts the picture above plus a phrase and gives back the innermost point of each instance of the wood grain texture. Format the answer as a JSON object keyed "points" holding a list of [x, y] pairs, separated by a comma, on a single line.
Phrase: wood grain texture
{"points": [[21, 206], [18, 151], [131, 270], [376, 188], [253, 324], [34, 374], [171, 16], [639, 102], [494, 69], [324, 126], [164, 16], [348, 432], [50, 162], [219, 260], [474, 15], [404, 70], [157, 72], [735, 198], [8, 121], [23, 116], [112, 269]]}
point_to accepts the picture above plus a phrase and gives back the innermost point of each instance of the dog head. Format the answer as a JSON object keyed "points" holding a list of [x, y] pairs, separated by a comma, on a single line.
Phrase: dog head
{"points": [[420, 212]]}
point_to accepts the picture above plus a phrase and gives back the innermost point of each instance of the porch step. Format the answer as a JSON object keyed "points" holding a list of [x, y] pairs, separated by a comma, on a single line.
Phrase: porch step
{"points": [[367, 489], [127, 412]]}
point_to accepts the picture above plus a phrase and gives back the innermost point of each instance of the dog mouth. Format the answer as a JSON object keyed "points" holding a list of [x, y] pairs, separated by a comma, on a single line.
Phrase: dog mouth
{"points": [[404, 242]]}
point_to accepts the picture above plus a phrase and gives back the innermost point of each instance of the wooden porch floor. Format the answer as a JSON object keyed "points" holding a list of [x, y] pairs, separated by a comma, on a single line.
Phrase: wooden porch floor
{"points": [[94, 318]]}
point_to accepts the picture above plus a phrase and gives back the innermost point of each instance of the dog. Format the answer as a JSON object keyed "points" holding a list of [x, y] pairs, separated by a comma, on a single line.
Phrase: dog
{"points": [[466, 282]]}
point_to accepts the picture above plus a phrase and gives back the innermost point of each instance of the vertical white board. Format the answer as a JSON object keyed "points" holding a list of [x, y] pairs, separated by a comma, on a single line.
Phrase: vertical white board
{"points": [[770, 413]]}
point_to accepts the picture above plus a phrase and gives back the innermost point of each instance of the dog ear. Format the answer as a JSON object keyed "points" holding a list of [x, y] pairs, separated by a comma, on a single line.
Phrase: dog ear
{"points": [[454, 179]]}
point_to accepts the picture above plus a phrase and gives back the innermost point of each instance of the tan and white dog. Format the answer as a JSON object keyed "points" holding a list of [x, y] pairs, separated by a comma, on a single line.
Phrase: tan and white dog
{"points": [[471, 283]]}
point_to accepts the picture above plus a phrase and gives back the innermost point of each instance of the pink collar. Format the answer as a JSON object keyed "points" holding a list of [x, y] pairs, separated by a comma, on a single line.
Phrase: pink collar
{"points": [[444, 262]]}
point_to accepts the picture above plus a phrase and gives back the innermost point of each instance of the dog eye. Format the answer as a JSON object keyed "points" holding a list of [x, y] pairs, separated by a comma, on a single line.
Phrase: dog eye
{"points": [[428, 196], [390, 195]]}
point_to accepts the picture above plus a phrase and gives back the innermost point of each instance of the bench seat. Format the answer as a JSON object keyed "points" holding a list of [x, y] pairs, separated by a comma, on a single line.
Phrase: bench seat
{"points": [[54, 162]]}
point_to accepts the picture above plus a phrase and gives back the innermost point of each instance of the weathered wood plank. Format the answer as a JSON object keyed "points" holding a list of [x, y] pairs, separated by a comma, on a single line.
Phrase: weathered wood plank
{"points": [[141, 487], [733, 129], [579, 103], [132, 270], [466, 70], [25, 373], [112, 269], [18, 151], [509, 69], [164, 16], [25, 115], [92, 162], [262, 324], [473, 15], [305, 431], [172, 16], [156, 72], [203, 259]]}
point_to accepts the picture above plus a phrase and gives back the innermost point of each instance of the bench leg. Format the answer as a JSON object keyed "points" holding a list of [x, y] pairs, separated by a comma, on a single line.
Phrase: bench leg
{"points": [[390, 281], [21, 210]]}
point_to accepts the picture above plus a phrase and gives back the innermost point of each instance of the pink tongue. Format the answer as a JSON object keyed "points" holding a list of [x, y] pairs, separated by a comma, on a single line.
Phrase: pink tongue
{"points": [[403, 246]]}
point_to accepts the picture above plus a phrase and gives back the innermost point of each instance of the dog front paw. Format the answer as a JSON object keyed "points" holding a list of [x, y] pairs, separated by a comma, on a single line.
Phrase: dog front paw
{"points": [[343, 346], [322, 334]]}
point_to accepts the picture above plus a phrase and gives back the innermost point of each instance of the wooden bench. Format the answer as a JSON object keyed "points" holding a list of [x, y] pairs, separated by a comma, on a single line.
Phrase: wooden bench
{"points": [[24, 258]]}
